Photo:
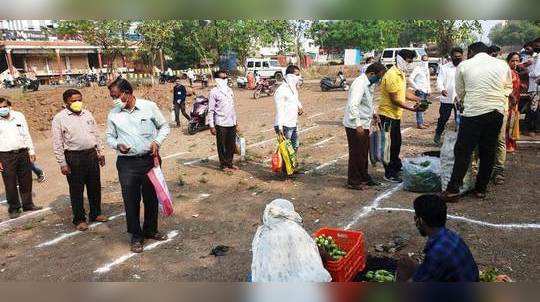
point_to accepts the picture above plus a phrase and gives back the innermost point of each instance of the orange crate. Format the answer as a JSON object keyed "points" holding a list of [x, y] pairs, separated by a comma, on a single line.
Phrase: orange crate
{"points": [[352, 243]]}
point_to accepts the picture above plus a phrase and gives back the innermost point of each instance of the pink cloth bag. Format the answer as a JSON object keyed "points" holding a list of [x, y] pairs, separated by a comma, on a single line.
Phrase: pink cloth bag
{"points": [[162, 191]]}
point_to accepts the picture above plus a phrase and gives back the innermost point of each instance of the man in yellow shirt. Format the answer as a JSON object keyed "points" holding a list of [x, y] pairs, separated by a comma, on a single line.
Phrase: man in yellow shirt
{"points": [[394, 95]]}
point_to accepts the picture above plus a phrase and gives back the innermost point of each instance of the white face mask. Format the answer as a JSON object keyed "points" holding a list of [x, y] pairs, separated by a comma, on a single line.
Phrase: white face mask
{"points": [[119, 104], [4, 111], [402, 64], [292, 80]]}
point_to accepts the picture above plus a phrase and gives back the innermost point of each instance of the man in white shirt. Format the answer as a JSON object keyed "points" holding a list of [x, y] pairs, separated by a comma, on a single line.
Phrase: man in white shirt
{"points": [[446, 85], [534, 88], [484, 84], [16, 157], [359, 116], [191, 76], [288, 106], [420, 85]]}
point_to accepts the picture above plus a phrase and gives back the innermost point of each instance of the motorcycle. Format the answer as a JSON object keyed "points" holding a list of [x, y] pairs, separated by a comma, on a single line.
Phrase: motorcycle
{"points": [[197, 121], [328, 83], [265, 86], [9, 84], [28, 84], [165, 78], [102, 80]]}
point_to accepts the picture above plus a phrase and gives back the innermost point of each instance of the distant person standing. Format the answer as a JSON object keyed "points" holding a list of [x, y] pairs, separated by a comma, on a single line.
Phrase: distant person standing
{"points": [[358, 119], [179, 101], [288, 107], [136, 128], [78, 151], [513, 112], [532, 116], [446, 82], [222, 120], [191, 76], [420, 86], [483, 83], [494, 51], [394, 96], [16, 157], [369, 61]]}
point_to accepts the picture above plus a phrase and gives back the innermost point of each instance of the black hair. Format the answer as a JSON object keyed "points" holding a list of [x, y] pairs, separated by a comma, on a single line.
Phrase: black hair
{"points": [[407, 54], [478, 47], [494, 48], [291, 69], [375, 67], [432, 209], [123, 85], [537, 40], [5, 100], [456, 49], [69, 93], [510, 55], [528, 44], [218, 72]]}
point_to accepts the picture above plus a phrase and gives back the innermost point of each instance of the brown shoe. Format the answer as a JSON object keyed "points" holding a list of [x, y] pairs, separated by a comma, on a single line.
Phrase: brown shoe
{"points": [[82, 226], [101, 218], [137, 247]]}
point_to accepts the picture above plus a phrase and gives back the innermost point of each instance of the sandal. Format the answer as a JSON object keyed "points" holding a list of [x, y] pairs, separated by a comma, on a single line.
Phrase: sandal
{"points": [[137, 247], [450, 197], [498, 180]]}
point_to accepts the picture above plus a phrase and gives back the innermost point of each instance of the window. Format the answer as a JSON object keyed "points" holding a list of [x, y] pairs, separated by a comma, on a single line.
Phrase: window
{"points": [[421, 52], [274, 63], [388, 54], [257, 64], [265, 64], [250, 64]]}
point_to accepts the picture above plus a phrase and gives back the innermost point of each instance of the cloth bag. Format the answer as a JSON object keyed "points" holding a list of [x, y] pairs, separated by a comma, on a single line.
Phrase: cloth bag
{"points": [[422, 174], [240, 146], [287, 154], [162, 191], [172, 117], [447, 163], [385, 144], [375, 152], [283, 251]]}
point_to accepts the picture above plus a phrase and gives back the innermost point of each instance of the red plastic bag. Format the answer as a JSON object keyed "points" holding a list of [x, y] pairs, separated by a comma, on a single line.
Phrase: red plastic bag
{"points": [[164, 197], [276, 162]]}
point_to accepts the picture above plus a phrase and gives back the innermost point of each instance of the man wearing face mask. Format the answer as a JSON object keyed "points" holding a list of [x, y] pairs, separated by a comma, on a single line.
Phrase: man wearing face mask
{"points": [[222, 120], [288, 107], [419, 81], [16, 155], [78, 151], [136, 128], [532, 118], [359, 117], [394, 96], [446, 85], [447, 257]]}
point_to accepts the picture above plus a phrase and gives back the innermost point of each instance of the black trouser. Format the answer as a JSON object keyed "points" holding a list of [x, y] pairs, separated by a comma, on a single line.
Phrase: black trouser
{"points": [[134, 182], [226, 145], [85, 172], [394, 126], [358, 156], [17, 171], [482, 131], [176, 113], [445, 111]]}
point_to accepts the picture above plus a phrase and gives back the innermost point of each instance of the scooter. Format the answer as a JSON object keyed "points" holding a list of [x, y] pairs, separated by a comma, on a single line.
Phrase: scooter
{"points": [[197, 121], [9, 84], [264, 87], [328, 83], [102, 81], [28, 84], [165, 78]]}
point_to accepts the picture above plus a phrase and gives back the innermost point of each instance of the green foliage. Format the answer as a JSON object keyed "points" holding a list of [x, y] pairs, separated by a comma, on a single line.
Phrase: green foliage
{"points": [[156, 35], [514, 33]]}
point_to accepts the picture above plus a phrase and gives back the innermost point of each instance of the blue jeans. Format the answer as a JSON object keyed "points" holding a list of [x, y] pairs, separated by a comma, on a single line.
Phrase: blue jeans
{"points": [[291, 134], [36, 169], [419, 118]]}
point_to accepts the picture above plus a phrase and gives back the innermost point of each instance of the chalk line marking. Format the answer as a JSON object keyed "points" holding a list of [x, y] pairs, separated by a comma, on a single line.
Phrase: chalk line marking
{"points": [[316, 114], [324, 165], [374, 204], [174, 155], [249, 146], [65, 236], [8, 223], [107, 267], [528, 142], [3, 201], [324, 141], [474, 221]]}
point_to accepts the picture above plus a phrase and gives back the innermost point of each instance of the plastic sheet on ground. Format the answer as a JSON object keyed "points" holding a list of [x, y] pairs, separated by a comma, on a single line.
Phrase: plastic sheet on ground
{"points": [[422, 174], [283, 251]]}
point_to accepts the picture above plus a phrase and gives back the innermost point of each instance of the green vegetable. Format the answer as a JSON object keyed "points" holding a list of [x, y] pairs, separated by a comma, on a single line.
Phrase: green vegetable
{"points": [[380, 276]]}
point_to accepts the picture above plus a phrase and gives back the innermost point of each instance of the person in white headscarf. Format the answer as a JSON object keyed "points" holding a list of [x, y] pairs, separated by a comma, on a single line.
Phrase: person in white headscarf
{"points": [[222, 120], [288, 106], [283, 251]]}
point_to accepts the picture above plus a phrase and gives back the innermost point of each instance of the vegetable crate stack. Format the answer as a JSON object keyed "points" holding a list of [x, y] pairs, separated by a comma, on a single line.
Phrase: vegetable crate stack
{"points": [[343, 252]]}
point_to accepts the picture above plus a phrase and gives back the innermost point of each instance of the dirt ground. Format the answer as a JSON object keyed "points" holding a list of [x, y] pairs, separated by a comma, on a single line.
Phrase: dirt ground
{"points": [[214, 208]]}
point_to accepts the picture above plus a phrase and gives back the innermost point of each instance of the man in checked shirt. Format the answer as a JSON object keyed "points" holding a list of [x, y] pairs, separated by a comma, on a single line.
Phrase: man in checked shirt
{"points": [[78, 151]]}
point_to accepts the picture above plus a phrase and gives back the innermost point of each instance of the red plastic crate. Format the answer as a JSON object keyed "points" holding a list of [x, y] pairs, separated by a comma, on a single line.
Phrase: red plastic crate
{"points": [[352, 242]]}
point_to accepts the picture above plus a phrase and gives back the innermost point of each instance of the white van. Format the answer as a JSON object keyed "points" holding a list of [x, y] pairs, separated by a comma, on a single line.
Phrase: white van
{"points": [[388, 57], [266, 68]]}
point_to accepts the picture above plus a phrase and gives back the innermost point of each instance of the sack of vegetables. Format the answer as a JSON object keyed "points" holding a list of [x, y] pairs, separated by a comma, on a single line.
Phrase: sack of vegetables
{"points": [[422, 174]]}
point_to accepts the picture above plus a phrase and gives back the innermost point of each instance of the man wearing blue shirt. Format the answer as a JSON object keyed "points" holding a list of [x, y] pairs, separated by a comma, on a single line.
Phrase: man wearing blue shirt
{"points": [[136, 128], [447, 257], [179, 101]]}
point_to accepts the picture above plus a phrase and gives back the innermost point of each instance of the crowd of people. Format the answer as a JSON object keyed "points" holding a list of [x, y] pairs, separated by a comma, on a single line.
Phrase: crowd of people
{"points": [[486, 94]]}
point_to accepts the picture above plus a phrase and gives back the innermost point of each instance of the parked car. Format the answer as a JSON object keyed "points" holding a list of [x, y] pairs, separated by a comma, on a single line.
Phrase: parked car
{"points": [[266, 68], [388, 57]]}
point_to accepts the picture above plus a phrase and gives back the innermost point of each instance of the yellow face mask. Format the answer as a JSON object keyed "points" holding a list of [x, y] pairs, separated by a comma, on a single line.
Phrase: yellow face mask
{"points": [[76, 106]]}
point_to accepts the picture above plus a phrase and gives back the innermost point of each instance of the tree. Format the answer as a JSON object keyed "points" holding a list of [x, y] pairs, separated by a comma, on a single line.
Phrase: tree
{"points": [[514, 33], [109, 35]]}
